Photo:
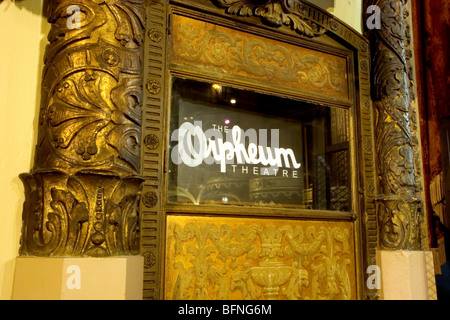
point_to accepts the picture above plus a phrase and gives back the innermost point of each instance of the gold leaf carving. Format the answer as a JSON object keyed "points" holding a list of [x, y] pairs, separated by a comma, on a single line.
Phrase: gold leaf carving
{"points": [[250, 259], [215, 49], [275, 13], [399, 206], [83, 195]]}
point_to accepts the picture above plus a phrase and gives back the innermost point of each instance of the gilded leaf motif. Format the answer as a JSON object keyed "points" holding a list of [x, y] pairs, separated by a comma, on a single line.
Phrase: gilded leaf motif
{"points": [[218, 49], [80, 114], [251, 260]]}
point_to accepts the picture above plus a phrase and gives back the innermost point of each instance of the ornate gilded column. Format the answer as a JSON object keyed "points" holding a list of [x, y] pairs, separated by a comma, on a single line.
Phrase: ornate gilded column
{"points": [[83, 192], [399, 203]]}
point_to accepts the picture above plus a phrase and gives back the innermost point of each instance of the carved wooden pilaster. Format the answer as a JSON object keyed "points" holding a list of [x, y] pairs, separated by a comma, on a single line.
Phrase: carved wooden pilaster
{"points": [[83, 193], [399, 204]]}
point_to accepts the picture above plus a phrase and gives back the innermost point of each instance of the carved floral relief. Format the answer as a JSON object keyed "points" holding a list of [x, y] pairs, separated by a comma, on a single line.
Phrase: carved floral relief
{"points": [[275, 13], [216, 49], [93, 90], [399, 207], [83, 194], [81, 216], [251, 259]]}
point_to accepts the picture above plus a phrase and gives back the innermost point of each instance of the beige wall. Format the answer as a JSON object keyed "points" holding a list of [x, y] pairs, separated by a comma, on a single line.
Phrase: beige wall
{"points": [[22, 44], [349, 11], [21, 62]]}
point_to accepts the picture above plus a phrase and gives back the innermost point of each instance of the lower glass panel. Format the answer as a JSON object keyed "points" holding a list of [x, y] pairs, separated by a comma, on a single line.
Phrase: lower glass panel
{"points": [[233, 146], [248, 258]]}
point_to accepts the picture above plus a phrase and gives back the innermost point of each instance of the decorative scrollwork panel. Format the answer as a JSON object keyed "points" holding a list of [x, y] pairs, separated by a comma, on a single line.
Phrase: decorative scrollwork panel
{"points": [[206, 47], [80, 215], [252, 259]]}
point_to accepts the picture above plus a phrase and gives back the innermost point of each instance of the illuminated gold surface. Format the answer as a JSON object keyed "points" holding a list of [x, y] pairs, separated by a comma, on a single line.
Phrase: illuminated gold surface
{"points": [[247, 258], [211, 48]]}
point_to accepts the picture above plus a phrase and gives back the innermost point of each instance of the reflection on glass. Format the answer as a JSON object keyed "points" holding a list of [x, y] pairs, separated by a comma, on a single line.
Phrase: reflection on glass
{"points": [[232, 146]]}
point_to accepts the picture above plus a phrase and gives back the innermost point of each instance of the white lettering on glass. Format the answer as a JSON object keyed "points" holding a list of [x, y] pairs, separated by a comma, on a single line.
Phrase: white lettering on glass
{"points": [[195, 147]]}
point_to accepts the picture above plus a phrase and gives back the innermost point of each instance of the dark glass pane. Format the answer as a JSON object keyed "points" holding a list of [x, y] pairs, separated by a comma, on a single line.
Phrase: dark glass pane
{"points": [[233, 146]]}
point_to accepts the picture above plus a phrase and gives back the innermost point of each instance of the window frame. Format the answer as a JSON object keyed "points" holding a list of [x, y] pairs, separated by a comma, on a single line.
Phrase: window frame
{"points": [[340, 40]]}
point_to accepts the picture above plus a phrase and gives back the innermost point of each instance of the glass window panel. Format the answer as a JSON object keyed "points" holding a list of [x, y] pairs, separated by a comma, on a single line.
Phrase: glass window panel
{"points": [[234, 146]]}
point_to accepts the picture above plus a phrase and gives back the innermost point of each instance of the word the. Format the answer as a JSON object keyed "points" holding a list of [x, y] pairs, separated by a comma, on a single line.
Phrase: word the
{"points": [[195, 147]]}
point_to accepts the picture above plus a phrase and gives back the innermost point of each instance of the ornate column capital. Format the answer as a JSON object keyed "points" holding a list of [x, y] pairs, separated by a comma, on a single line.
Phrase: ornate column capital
{"points": [[83, 194]]}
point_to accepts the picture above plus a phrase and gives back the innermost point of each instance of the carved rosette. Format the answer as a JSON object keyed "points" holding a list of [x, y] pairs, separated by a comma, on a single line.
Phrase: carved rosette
{"points": [[83, 194], [399, 207]]}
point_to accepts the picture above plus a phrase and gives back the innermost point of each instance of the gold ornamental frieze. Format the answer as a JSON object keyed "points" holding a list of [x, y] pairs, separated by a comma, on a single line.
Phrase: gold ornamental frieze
{"points": [[206, 47], [248, 258]]}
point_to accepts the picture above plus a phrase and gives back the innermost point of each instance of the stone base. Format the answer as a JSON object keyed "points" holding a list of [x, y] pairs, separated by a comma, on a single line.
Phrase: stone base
{"points": [[114, 278], [407, 275]]}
